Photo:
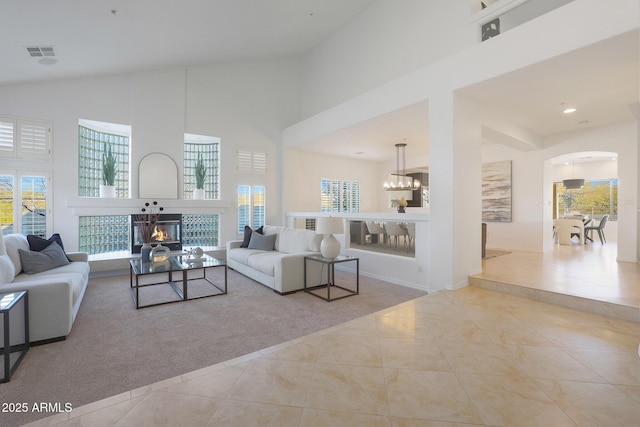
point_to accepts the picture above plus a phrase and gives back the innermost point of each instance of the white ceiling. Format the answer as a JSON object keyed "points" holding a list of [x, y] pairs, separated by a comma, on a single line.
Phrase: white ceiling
{"points": [[93, 37], [601, 81]]}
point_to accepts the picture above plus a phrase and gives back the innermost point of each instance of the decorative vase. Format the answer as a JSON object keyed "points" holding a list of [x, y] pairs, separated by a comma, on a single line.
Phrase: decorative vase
{"points": [[145, 252], [400, 209], [159, 253], [107, 191], [198, 194]]}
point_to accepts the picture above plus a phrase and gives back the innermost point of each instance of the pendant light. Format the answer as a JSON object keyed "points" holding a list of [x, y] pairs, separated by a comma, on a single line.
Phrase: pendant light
{"points": [[402, 181], [574, 183]]}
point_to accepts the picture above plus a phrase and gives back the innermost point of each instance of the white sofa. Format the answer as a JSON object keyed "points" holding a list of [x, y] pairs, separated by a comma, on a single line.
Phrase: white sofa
{"points": [[281, 269], [54, 295]]}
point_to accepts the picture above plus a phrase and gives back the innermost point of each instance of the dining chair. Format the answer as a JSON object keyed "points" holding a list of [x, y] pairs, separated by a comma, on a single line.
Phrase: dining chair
{"points": [[568, 228], [411, 233], [394, 230], [599, 228], [375, 229]]}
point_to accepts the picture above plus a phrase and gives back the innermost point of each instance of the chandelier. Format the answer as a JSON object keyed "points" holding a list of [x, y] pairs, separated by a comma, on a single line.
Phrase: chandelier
{"points": [[400, 181]]}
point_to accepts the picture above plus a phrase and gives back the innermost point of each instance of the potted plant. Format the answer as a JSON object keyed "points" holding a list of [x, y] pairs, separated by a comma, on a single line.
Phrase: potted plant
{"points": [[201, 175], [402, 204], [109, 170]]}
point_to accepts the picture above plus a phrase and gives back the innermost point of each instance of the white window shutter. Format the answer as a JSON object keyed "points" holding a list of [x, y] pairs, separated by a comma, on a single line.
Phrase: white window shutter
{"points": [[35, 139], [244, 161], [7, 136], [259, 164], [252, 162]]}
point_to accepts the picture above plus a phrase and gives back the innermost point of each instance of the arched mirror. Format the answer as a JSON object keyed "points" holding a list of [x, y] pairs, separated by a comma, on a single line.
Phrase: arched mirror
{"points": [[157, 177]]}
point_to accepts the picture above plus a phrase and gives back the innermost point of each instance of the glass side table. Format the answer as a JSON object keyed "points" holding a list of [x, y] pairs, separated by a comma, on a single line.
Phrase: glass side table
{"points": [[331, 277], [12, 306]]}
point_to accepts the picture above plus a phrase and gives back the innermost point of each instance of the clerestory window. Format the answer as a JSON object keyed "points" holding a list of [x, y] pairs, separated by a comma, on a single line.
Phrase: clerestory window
{"points": [[201, 166], [95, 139]]}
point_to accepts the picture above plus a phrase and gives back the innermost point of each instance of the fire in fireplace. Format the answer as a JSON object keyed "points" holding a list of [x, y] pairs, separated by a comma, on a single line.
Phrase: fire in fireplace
{"points": [[168, 231]]}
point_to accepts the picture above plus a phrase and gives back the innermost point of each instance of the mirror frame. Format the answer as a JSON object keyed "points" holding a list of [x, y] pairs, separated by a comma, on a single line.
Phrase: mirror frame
{"points": [[157, 177]]}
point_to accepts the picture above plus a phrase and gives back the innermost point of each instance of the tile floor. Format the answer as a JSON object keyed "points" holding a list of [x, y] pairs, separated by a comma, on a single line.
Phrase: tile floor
{"points": [[465, 357]]}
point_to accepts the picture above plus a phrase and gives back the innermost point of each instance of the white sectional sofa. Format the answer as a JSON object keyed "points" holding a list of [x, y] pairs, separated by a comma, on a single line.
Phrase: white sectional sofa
{"points": [[282, 268], [54, 295]]}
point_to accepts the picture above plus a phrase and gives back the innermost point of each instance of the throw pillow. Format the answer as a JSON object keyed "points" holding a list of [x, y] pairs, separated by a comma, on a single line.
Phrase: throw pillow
{"points": [[36, 262], [263, 243], [37, 243], [247, 235]]}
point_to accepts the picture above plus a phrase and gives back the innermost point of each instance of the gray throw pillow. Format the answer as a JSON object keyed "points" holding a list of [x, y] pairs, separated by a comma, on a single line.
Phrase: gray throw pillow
{"points": [[36, 262], [261, 242]]}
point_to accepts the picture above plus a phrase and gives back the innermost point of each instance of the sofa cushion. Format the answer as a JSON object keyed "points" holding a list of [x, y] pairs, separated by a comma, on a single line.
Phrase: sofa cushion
{"points": [[292, 240], [76, 280], [262, 242], [13, 242], [7, 270], [242, 254], [265, 261], [36, 262]]}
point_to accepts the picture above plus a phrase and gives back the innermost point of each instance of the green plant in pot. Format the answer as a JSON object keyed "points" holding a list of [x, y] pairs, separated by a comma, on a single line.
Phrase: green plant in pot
{"points": [[201, 176], [109, 171]]}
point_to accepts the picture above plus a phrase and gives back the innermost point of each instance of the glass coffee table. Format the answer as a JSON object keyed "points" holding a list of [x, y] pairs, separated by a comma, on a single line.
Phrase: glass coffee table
{"points": [[177, 269]]}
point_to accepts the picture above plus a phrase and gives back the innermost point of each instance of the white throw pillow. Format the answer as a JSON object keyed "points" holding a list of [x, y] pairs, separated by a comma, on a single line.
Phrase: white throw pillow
{"points": [[7, 270]]}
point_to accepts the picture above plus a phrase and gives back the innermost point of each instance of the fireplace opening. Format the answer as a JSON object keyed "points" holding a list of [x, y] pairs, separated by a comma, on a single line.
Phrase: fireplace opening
{"points": [[167, 231]]}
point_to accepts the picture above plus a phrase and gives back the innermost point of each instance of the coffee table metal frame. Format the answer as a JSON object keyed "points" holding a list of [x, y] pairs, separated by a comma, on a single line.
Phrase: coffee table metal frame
{"points": [[9, 300], [175, 264], [331, 277]]}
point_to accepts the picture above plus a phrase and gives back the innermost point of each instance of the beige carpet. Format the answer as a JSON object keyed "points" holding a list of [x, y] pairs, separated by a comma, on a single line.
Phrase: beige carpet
{"points": [[114, 348]]}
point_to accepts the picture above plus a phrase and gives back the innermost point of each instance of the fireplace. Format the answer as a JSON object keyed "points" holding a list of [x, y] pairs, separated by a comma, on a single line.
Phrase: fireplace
{"points": [[168, 231]]}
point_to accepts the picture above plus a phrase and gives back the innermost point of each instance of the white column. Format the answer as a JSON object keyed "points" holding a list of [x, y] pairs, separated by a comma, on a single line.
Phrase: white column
{"points": [[455, 189]]}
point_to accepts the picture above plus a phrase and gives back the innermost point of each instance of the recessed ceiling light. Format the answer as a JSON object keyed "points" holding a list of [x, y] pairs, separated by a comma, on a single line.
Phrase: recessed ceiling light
{"points": [[569, 110]]}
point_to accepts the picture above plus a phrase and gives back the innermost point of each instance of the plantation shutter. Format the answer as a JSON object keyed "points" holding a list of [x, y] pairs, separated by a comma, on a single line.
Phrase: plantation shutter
{"points": [[7, 131], [25, 139], [35, 139], [252, 162]]}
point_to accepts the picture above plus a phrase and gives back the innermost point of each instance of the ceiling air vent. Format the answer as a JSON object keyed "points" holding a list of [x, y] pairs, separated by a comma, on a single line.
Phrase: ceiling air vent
{"points": [[40, 51]]}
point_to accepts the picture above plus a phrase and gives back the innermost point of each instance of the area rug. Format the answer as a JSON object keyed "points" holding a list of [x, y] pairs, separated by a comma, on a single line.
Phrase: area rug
{"points": [[114, 348]]}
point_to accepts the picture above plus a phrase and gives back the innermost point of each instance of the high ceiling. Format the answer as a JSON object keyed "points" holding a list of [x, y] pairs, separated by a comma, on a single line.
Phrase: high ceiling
{"points": [[93, 37], [601, 81]]}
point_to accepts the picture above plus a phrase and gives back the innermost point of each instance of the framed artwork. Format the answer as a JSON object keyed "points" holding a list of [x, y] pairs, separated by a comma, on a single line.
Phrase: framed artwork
{"points": [[496, 191]]}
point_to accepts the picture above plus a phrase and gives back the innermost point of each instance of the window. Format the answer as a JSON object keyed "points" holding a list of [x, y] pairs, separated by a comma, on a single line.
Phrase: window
{"points": [[597, 198], [31, 197], [200, 230], [104, 233], [208, 149], [339, 196], [94, 138], [251, 206], [101, 234], [25, 138], [252, 162]]}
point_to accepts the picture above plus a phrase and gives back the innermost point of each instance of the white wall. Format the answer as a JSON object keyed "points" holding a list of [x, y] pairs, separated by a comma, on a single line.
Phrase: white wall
{"points": [[388, 40], [303, 170], [532, 180], [435, 83], [245, 104]]}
